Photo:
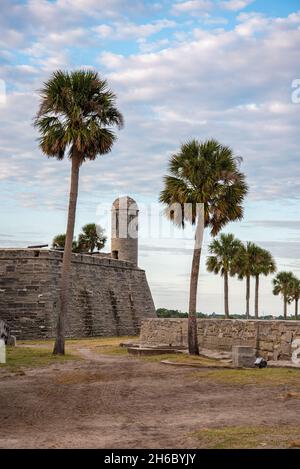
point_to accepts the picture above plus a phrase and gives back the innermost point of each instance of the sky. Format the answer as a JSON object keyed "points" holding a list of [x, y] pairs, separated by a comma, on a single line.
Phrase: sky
{"points": [[226, 69]]}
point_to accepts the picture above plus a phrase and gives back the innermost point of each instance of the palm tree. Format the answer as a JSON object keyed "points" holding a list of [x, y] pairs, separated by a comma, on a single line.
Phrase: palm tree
{"points": [[76, 113], [296, 294], [59, 242], [283, 284], [206, 176], [264, 264], [91, 238], [224, 251], [243, 267]]}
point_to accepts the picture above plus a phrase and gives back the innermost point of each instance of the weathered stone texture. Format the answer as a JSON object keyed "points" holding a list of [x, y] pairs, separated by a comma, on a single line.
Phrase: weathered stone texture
{"points": [[272, 339], [243, 356], [108, 297]]}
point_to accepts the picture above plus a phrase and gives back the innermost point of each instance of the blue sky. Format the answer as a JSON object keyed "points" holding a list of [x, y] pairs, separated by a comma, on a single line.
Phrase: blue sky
{"points": [[181, 69]]}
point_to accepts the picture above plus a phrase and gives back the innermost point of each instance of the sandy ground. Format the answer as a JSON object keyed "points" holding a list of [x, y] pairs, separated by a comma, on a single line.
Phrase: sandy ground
{"points": [[122, 402]]}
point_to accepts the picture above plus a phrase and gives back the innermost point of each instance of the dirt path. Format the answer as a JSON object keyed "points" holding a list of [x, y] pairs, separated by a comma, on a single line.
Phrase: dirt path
{"points": [[121, 402]]}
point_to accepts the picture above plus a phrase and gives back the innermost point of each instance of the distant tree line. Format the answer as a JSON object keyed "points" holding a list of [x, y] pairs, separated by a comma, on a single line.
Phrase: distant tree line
{"points": [[175, 313]]}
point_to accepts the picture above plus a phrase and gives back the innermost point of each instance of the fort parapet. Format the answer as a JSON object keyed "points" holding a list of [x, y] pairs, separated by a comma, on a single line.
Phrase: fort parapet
{"points": [[108, 297]]}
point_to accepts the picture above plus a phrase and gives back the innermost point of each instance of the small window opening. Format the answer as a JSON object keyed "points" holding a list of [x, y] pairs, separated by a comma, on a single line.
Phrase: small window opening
{"points": [[115, 255]]}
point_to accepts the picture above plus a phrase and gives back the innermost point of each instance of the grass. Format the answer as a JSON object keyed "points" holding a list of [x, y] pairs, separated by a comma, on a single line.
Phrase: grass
{"points": [[38, 353], [90, 342], [20, 357], [102, 345], [256, 377], [183, 358], [248, 437], [100, 341]]}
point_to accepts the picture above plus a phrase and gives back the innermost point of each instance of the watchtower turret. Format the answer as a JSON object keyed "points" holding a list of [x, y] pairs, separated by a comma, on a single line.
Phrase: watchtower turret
{"points": [[124, 230]]}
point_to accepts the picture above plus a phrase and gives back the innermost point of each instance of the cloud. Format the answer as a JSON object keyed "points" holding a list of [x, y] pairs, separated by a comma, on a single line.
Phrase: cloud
{"points": [[214, 20], [192, 6], [122, 30], [166, 250], [219, 83], [283, 249], [235, 5], [104, 30], [146, 47], [202, 6], [69, 11], [280, 224]]}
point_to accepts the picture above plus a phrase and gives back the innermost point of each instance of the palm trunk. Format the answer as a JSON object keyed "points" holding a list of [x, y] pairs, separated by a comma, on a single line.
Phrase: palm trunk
{"points": [[285, 307], [296, 308], [192, 320], [256, 295], [59, 347], [247, 296], [226, 305]]}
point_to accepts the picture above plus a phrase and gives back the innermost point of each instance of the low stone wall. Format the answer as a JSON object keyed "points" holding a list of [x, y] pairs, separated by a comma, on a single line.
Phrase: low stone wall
{"points": [[272, 339], [108, 297]]}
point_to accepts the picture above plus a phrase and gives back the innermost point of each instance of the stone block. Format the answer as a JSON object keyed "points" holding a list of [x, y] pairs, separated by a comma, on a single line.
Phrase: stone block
{"points": [[243, 356], [11, 340]]}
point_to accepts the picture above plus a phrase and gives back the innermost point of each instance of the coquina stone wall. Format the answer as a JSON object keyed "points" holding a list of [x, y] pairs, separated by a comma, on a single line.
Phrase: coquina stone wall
{"points": [[108, 297], [272, 339]]}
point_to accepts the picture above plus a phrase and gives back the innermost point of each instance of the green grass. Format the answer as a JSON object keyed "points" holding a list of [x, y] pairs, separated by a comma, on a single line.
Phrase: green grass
{"points": [[19, 357], [38, 353], [248, 437], [256, 377], [183, 358], [102, 345], [99, 341], [91, 341]]}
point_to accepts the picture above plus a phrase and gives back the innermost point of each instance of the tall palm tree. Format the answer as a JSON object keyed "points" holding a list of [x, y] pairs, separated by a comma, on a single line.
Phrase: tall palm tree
{"points": [[75, 117], [283, 284], [91, 238], [224, 251], [204, 175], [264, 264], [296, 294], [243, 267]]}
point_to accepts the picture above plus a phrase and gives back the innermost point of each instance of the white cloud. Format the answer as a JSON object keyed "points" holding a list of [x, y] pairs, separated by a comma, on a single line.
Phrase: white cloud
{"points": [[235, 5], [121, 30], [146, 47], [66, 11], [10, 38], [219, 85], [71, 37], [103, 30], [210, 19], [191, 6]]}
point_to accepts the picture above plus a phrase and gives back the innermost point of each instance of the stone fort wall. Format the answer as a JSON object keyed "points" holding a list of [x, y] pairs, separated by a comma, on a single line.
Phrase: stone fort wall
{"points": [[272, 339], [108, 297]]}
